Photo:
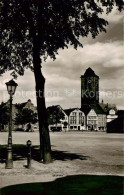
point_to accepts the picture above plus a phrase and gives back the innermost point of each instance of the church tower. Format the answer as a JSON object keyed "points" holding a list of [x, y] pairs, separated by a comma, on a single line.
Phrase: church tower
{"points": [[89, 88]]}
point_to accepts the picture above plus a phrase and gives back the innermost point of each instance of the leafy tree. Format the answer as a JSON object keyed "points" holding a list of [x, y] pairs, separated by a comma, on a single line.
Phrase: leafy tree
{"points": [[4, 115], [25, 116], [32, 30], [55, 115]]}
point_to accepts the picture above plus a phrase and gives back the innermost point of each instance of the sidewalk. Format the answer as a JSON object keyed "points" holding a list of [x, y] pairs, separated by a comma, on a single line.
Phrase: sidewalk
{"points": [[43, 173]]}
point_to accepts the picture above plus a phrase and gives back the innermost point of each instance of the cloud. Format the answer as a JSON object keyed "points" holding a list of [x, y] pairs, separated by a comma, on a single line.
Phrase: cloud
{"points": [[114, 17], [114, 31], [71, 64]]}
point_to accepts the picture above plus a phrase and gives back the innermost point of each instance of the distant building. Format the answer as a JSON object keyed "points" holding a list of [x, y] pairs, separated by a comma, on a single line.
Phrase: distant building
{"points": [[61, 125], [92, 115], [89, 88], [116, 125], [76, 119], [15, 109], [110, 110], [28, 105], [102, 113], [91, 118], [95, 118], [106, 107], [111, 115]]}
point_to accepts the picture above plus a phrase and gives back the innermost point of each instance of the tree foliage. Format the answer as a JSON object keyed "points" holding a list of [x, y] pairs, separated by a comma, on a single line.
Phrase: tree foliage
{"points": [[4, 114], [55, 115], [25, 116], [51, 24]]}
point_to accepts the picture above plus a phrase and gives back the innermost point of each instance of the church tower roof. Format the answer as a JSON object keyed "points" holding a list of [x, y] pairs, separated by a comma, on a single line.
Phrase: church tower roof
{"points": [[89, 73]]}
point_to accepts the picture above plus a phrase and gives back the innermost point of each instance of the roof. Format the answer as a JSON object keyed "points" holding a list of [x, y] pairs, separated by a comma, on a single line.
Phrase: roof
{"points": [[107, 107], [86, 109], [89, 73], [54, 106], [97, 109], [68, 111], [20, 106]]}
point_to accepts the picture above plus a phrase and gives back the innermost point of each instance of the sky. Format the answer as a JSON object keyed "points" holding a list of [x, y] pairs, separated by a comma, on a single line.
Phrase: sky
{"points": [[103, 54]]}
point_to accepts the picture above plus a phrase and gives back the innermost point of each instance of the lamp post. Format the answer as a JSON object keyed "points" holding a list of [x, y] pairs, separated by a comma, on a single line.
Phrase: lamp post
{"points": [[11, 87]]}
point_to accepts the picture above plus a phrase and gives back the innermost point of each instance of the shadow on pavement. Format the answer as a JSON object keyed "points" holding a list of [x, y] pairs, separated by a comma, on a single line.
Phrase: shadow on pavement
{"points": [[70, 185], [20, 153]]}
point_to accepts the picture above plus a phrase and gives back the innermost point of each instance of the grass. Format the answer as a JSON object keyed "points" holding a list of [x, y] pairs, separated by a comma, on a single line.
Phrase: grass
{"points": [[70, 185]]}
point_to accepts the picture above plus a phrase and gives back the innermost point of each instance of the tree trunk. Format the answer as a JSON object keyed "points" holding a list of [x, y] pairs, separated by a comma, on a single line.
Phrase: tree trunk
{"points": [[45, 146]]}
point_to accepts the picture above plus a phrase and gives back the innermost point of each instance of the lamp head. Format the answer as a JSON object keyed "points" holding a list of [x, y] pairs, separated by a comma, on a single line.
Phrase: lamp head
{"points": [[11, 86], [29, 143]]}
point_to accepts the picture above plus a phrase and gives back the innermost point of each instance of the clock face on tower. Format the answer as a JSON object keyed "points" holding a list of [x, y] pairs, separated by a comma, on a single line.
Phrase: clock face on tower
{"points": [[90, 84], [89, 81]]}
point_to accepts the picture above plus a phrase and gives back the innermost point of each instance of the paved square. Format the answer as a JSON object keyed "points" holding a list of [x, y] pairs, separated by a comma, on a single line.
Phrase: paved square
{"points": [[74, 153]]}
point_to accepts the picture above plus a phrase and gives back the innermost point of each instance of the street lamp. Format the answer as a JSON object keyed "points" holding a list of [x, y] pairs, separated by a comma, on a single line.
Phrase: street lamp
{"points": [[11, 87]]}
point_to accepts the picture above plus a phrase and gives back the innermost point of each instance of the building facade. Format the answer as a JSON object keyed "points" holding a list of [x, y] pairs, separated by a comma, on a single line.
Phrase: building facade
{"points": [[92, 120], [92, 115], [80, 120], [76, 119], [111, 115]]}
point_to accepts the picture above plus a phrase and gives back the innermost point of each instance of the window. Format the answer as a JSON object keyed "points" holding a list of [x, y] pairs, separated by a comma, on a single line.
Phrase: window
{"points": [[81, 120], [73, 120], [92, 117], [74, 113]]}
